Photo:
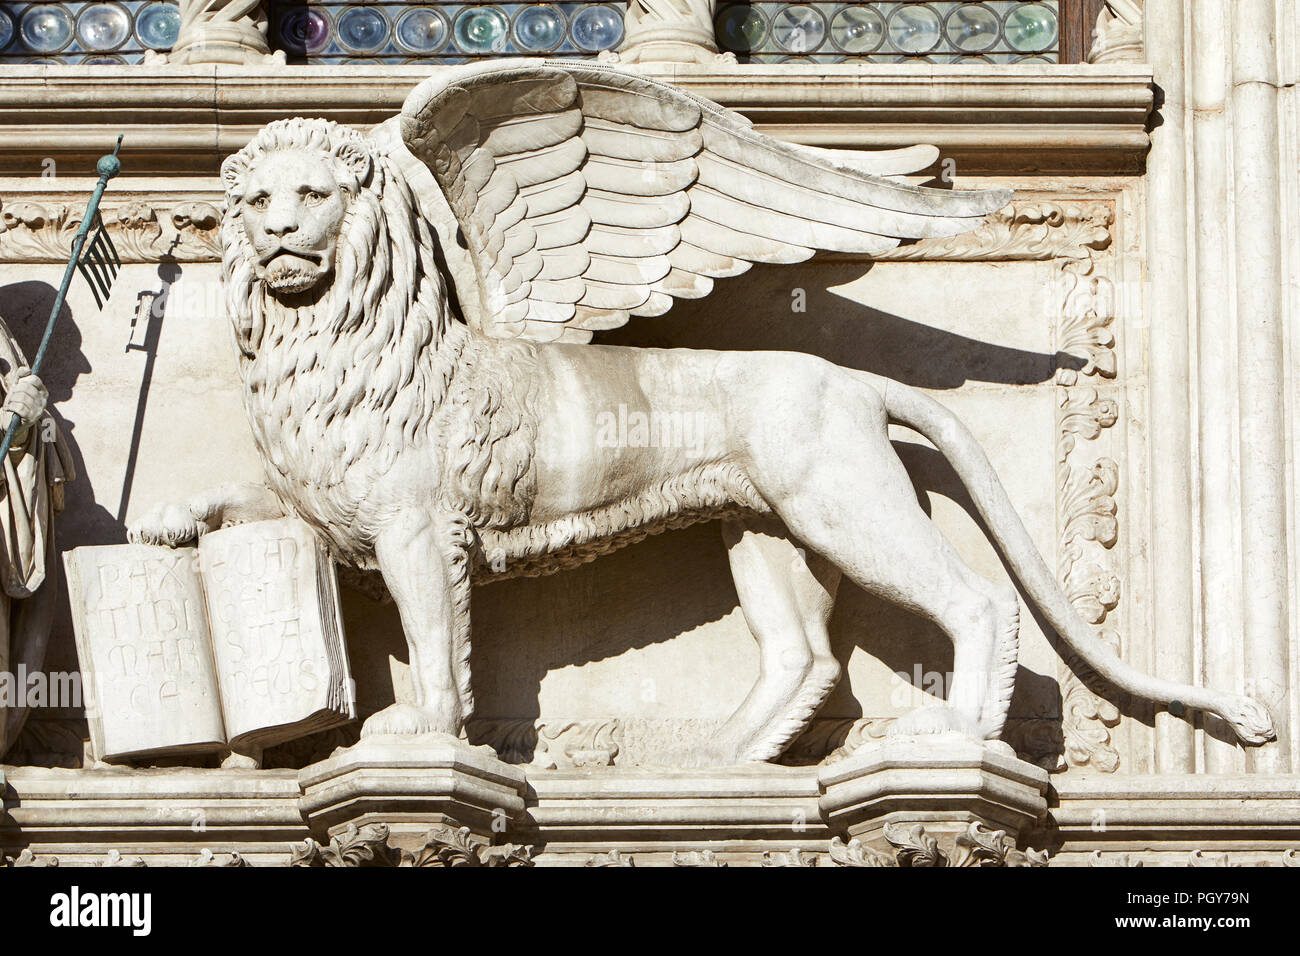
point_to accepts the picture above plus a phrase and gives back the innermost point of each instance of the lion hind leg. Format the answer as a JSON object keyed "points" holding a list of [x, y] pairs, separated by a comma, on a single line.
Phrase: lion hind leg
{"points": [[786, 595], [858, 509]]}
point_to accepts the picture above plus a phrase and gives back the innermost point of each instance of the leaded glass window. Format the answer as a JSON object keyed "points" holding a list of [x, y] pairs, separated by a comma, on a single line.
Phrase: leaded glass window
{"points": [[994, 31], [404, 31], [400, 32], [90, 31]]}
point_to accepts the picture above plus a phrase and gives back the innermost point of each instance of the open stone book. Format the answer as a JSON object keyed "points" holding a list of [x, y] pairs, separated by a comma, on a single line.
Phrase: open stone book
{"points": [[236, 644]]}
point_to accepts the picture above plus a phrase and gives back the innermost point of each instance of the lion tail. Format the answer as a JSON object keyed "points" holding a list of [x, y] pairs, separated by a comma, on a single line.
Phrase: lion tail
{"points": [[910, 407]]}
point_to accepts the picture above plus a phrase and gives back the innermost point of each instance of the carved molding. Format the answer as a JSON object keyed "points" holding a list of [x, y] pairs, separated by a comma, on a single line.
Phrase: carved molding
{"points": [[910, 846], [794, 857], [1195, 859], [39, 230], [977, 846], [1119, 36], [698, 858], [28, 858], [443, 846], [612, 858], [1086, 506], [1025, 231]]}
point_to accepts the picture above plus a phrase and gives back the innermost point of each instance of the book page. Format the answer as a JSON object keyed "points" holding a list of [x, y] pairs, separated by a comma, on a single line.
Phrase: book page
{"points": [[142, 640], [276, 633]]}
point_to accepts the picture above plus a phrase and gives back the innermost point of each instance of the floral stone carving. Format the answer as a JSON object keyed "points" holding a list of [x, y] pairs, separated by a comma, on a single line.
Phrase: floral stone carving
{"points": [[442, 847]]}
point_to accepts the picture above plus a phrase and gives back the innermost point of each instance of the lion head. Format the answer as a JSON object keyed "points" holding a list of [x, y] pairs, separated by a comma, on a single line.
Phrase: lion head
{"points": [[290, 191], [318, 218]]}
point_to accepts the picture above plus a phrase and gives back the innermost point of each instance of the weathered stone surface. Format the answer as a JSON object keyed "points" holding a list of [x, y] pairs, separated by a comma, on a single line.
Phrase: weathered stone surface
{"points": [[412, 784], [942, 782]]}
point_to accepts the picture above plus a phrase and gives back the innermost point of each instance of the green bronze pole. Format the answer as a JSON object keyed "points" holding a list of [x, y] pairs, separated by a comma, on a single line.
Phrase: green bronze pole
{"points": [[107, 167]]}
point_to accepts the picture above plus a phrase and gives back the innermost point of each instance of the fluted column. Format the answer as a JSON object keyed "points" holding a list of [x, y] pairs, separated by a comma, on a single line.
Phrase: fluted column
{"points": [[1169, 417], [1216, 366], [1261, 351]]}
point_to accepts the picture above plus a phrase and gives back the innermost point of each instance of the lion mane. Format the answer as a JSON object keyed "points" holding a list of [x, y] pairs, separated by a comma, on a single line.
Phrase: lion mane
{"points": [[371, 365], [341, 380]]}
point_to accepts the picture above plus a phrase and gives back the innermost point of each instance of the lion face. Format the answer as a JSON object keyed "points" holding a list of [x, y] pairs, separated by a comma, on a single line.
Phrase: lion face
{"points": [[293, 209]]}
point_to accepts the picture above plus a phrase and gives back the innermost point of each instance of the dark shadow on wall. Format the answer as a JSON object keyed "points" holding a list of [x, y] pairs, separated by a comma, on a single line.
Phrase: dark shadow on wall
{"points": [[839, 330], [26, 309], [169, 271], [54, 738]]}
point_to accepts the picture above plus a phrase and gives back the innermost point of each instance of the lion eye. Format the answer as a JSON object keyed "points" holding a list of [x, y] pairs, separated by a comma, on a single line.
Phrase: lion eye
{"points": [[259, 202], [315, 198]]}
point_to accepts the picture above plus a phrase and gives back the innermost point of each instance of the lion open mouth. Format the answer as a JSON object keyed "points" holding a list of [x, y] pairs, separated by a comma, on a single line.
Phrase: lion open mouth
{"points": [[289, 271], [280, 251]]}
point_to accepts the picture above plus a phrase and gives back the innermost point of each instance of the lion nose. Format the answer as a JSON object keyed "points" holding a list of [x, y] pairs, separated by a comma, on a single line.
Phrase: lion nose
{"points": [[281, 218], [278, 226]]}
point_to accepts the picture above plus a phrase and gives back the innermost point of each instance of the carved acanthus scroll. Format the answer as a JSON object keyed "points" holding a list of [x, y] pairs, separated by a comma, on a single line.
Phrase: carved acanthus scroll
{"points": [[42, 230], [1086, 487]]}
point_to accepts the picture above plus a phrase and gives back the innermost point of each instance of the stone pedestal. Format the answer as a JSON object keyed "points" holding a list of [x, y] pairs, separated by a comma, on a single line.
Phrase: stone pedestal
{"points": [[412, 785], [943, 784], [679, 31]]}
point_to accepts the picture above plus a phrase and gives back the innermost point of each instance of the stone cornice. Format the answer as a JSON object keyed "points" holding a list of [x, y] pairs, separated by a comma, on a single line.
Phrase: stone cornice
{"points": [[990, 119]]}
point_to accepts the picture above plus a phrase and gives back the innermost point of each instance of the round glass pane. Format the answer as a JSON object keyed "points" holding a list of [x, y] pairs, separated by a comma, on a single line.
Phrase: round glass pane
{"points": [[597, 28], [741, 29], [1031, 28], [972, 28], [857, 30], [6, 30], [362, 29], [481, 30], [538, 29], [304, 31], [799, 29], [157, 25], [101, 59], [914, 29], [45, 29], [103, 26], [421, 31]]}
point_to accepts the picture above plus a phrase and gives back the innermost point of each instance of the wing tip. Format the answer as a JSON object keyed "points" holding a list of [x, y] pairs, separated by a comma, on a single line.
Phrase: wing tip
{"points": [[998, 199]]}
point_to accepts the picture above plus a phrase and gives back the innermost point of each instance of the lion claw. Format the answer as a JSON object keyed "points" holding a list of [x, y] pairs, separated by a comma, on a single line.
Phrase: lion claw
{"points": [[404, 720]]}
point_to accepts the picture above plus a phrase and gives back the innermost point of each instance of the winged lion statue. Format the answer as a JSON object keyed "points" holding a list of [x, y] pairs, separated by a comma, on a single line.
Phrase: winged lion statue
{"points": [[422, 429]]}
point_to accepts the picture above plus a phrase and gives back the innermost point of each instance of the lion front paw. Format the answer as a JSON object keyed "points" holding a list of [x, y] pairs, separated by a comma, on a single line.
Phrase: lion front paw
{"points": [[934, 720], [406, 720], [168, 524]]}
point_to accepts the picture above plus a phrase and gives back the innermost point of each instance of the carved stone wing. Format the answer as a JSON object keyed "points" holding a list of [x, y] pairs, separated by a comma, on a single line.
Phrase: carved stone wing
{"points": [[586, 194]]}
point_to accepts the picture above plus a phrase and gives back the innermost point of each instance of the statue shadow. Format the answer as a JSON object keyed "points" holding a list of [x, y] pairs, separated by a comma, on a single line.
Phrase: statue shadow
{"points": [[27, 307], [834, 328]]}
